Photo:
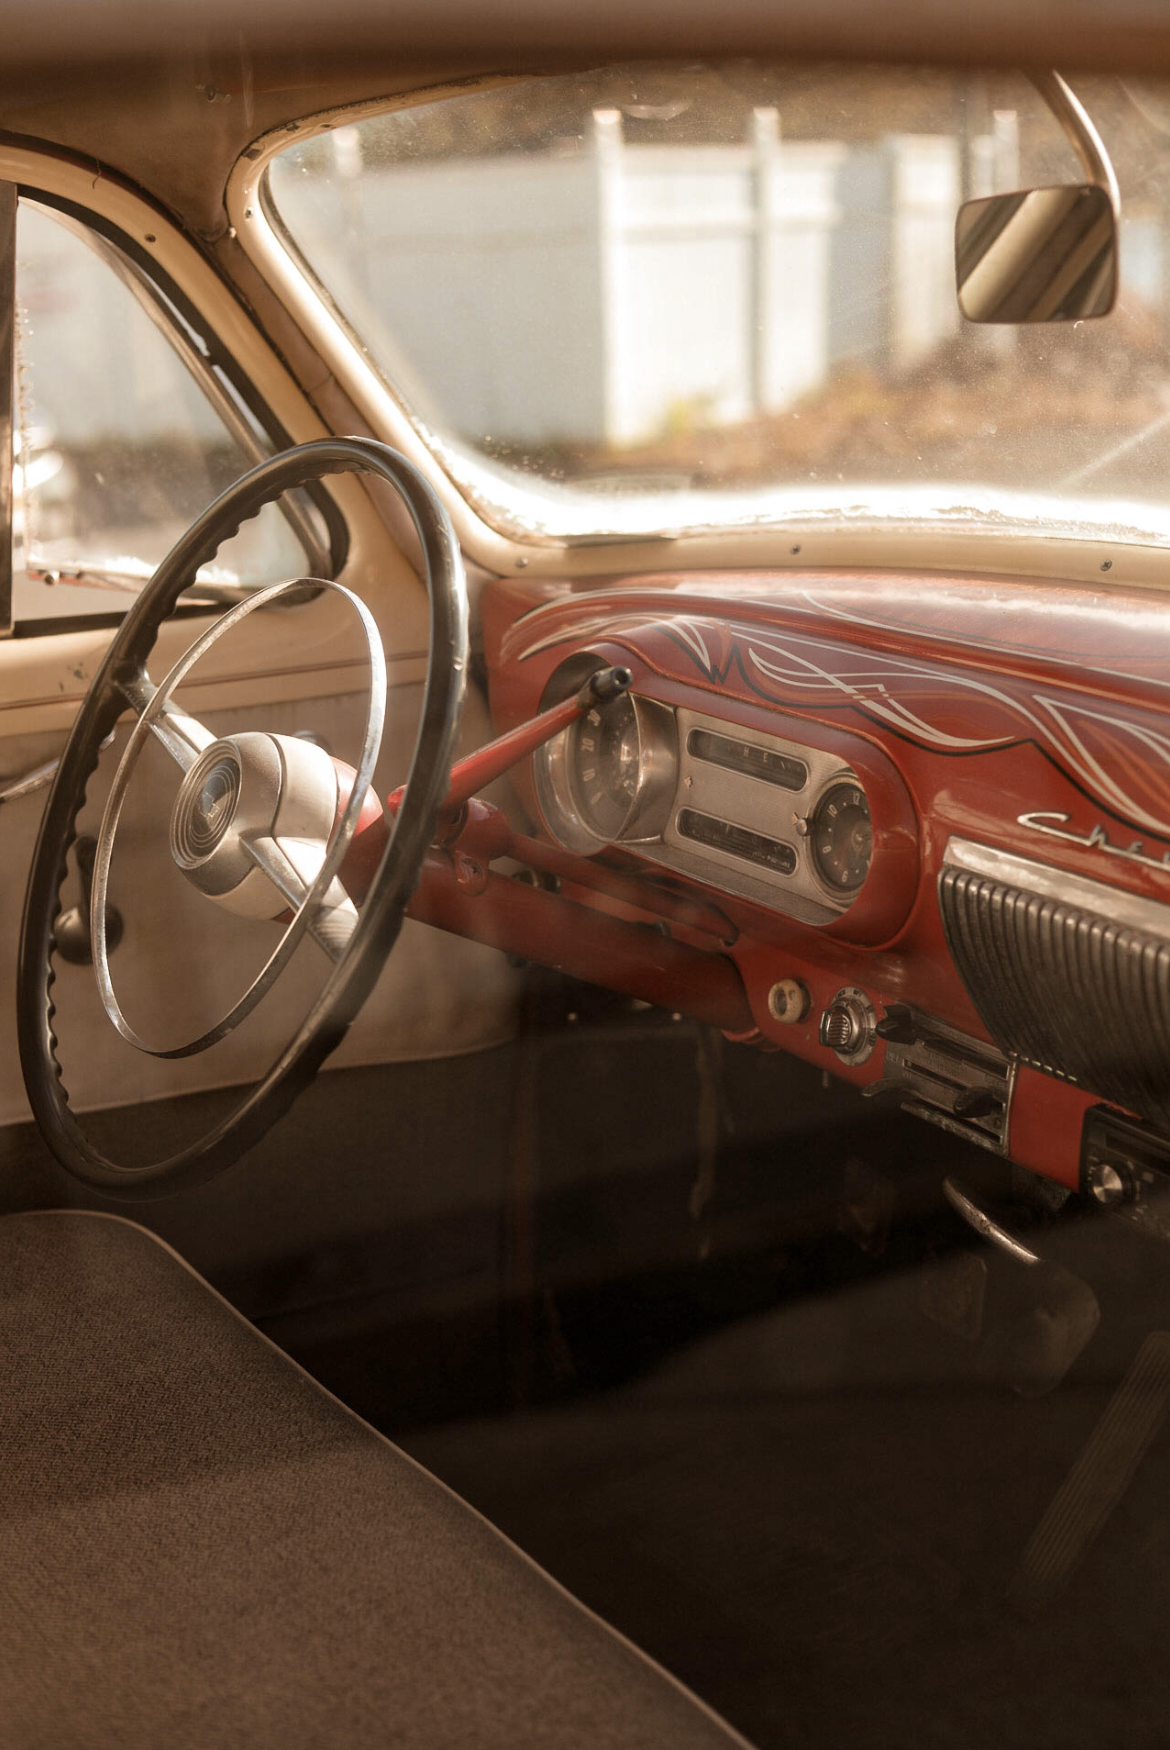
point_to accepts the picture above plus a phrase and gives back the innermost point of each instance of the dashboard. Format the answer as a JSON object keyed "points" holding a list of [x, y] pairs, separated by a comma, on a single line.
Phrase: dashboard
{"points": [[760, 815], [933, 813]]}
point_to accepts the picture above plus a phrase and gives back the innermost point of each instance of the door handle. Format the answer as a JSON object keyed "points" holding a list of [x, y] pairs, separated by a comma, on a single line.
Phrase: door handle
{"points": [[71, 933]]}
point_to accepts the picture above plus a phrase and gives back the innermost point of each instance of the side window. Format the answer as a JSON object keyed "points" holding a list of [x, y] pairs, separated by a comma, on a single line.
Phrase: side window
{"points": [[123, 433]]}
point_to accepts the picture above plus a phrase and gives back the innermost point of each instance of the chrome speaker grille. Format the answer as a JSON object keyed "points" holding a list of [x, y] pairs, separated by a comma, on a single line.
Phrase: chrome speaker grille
{"points": [[1067, 975]]}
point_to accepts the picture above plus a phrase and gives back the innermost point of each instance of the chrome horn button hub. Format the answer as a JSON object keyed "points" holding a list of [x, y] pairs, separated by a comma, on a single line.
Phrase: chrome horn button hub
{"points": [[205, 806], [231, 794], [242, 790]]}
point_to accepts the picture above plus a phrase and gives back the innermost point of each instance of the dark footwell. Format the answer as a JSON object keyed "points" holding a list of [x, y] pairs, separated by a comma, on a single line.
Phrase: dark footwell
{"points": [[814, 1517]]}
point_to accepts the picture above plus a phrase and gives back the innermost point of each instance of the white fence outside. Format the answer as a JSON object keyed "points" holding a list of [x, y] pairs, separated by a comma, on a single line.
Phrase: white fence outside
{"points": [[609, 293]]}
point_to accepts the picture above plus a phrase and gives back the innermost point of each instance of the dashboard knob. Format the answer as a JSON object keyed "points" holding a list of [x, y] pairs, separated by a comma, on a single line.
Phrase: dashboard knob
{"points": [[976, 1103], [839, 1026], [848, 1025], [1111, 1184], [788, 1000], [897, 1025]]}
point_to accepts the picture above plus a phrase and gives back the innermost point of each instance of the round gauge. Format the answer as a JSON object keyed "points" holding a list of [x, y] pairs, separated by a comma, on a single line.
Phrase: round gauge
{"points": [[840, 836], [611, 775], [604, 758]]}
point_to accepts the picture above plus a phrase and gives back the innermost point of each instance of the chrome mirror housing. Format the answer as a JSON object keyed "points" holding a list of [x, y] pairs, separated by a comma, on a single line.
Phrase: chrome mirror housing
{"points": [[1038, 255], [1044, 254]]}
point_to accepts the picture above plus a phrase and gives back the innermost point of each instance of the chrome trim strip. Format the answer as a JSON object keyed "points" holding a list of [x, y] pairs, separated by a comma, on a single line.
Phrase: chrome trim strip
{"points": [[1114, 903], [7, 397], [1013, 1072]]}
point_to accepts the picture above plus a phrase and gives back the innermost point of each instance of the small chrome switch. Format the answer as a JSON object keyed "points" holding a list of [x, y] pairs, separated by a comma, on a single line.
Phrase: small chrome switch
{"points": [[849, 1025]]}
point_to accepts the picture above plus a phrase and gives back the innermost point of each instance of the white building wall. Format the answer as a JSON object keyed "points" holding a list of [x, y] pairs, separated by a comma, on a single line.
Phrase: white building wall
{"points": [[679, 238], [926, 196], [485, 275], [797, 216], [605, 297], [892, 295], [618, 292]]}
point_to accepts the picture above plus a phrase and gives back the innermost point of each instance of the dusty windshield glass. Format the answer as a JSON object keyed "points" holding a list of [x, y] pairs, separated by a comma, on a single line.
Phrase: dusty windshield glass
{"points": [[669, 298]]}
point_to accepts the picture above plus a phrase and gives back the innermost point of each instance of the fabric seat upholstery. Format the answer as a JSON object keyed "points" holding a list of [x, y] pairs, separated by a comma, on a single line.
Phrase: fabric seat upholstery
{"points": [[201, 1547]]}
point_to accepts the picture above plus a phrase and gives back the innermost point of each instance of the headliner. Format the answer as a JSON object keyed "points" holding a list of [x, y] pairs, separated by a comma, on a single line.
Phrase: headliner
{"points": [[1121, 35], [169, 92]]}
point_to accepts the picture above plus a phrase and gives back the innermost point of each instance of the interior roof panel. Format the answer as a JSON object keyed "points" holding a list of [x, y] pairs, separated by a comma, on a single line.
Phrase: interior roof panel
{"points": [[1104, 34], [169, 95]]}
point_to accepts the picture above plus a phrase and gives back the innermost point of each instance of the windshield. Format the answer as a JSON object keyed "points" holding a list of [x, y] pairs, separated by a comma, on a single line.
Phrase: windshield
{"points": [[662, 299]]}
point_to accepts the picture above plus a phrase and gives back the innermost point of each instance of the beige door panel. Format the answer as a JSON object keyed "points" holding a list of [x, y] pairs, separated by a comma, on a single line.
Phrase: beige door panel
{"points": [[182, 959]]}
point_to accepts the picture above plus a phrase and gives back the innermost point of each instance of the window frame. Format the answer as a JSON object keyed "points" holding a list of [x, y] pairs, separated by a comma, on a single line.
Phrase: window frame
{"points": [[303, 652], [9, 203], [813, 540], [247, 416]]}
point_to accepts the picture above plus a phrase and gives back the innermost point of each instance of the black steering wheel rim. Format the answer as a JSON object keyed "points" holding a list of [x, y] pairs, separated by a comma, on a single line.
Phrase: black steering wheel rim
{"points": [[353, 978]]}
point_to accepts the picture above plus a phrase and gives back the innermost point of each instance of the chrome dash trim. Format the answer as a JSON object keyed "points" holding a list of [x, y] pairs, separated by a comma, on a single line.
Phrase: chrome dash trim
{"points": [[741, 798], [1115, 903]]}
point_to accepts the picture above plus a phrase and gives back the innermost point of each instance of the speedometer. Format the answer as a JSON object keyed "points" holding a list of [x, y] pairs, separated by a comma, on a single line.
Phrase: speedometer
{"points": [[610, 777], [605, 766]]}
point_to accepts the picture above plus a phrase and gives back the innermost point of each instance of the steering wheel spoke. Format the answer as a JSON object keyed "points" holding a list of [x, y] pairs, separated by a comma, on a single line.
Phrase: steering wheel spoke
{"points": [[292, 866], [182, 735]]}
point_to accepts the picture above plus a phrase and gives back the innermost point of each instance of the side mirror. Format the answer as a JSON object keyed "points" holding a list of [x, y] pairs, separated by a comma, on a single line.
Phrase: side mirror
{"points": [[1039, 255]]}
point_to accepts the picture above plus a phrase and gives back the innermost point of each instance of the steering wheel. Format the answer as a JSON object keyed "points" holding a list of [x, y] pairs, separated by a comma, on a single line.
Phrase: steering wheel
{"points": [[265, 860]]}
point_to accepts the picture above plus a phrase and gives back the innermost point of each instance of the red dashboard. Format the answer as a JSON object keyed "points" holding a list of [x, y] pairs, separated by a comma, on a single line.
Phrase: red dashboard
{"points": [[933, 812]]}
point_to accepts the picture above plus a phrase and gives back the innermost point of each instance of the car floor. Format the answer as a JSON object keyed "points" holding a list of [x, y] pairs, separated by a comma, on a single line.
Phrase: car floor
{"points": [[814, 1516], [700, 1333]]}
